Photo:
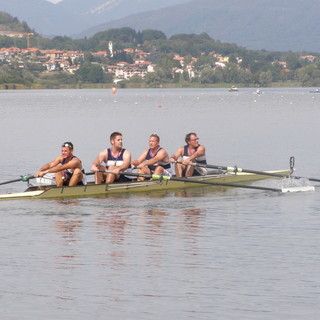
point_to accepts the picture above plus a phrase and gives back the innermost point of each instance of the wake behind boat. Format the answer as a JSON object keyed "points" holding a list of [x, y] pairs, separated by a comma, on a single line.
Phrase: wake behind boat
{"points": [[93, 190]]}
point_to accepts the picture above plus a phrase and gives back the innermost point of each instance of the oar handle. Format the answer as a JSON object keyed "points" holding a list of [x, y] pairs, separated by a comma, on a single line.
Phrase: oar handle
{"points": [[27, 177], [159, 177]]}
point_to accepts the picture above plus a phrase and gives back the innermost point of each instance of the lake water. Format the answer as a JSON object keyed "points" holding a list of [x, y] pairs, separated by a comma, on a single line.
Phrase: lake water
{"points": [[197, 254]]}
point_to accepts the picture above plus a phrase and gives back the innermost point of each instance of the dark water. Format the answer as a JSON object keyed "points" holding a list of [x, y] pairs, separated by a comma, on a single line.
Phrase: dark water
{"points": [[197, 254]]}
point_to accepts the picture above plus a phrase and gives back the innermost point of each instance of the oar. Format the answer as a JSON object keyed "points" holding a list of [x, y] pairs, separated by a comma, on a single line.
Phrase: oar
{"points": [[236, 169], [212, 183], [27, 177], [23, 178]]}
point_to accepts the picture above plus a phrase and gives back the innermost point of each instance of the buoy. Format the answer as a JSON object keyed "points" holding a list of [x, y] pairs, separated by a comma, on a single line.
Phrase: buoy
{"points": [[114, 91]]}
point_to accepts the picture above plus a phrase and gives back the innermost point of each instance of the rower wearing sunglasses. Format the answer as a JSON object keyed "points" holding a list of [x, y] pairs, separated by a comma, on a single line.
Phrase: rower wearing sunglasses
{"points": [[67, 168], [192, 152]]}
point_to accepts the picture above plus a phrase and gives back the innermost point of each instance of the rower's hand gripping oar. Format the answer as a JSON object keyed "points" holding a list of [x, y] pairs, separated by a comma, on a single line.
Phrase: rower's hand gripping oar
{"points": [[161, 178], [24, 178]]}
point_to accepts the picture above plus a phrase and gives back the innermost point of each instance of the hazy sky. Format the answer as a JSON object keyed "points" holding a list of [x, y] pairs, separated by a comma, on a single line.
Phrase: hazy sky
{"points": [[54, 1]]}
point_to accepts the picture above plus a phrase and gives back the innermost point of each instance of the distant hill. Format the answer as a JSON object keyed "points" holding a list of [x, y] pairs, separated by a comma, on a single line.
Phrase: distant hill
{"points": [[73, 16], [36, 13], [275, 25], [11, 24], [278, 25]]}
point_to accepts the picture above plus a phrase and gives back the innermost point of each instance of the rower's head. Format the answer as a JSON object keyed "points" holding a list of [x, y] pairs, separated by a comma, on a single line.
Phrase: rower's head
{"points": [[192, 139], [116, 139], [67, 149], [154, 141]]}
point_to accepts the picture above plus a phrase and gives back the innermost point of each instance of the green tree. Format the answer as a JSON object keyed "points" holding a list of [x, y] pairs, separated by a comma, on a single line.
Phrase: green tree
{"points": [[152, 35], [164, 68], [203, 62], [108, 77], [152, 79], [207, 75], [233, 58], [231, 73], [136, 79], [90, 73], [265, 78], [245, 76]]}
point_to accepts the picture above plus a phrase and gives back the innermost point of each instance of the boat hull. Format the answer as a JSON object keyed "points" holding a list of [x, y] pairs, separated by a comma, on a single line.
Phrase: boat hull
{"points": [[91, 190]]}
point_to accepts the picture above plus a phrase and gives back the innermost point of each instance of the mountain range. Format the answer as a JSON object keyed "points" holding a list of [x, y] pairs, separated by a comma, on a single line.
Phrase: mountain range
{"points": [[275, 25], [68, 17]]}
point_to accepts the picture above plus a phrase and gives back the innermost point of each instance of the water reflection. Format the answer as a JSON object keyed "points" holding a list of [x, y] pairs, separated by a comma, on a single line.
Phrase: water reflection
{"points": [[68, 202], [113, 225], [69, 230], [151, 222], [200, 191], [156, 212]]}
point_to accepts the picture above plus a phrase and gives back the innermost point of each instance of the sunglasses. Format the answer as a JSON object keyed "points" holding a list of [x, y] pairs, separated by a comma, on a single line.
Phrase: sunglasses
{"points": [[67, 144]]}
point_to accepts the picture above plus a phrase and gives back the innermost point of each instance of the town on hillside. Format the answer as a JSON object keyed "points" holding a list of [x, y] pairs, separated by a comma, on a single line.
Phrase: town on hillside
{"points": [[69, 61], [144, 58]]}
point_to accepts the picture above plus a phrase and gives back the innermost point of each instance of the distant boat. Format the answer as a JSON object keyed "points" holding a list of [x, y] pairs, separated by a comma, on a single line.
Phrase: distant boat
{"points": [[258, 91], [315, 91], [233, 88]]}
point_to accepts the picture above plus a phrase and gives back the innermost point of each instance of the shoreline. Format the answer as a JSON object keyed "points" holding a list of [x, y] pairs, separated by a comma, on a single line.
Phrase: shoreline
{"points": [[13, 86]]}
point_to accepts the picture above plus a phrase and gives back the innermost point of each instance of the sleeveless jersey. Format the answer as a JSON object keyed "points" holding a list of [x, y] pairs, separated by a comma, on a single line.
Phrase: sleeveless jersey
{"points": [[165, 165], [69, 172], [185, 156], [115, 161]]}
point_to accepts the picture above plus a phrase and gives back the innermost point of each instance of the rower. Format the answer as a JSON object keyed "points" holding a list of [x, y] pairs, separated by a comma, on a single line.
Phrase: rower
{"points": [[189, 153], [68, 168], [154, 160], [115, 158]]}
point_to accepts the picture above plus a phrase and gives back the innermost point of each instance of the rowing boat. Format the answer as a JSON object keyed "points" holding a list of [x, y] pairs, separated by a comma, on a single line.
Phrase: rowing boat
{"points": [[91, 189]]}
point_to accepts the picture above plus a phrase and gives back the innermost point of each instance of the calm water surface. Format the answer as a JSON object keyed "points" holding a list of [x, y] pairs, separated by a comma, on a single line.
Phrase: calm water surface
{"points": [[204, 253]]}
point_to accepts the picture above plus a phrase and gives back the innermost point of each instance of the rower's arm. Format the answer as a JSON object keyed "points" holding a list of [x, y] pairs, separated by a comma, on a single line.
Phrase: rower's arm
{"points": [[139, 160], [72, 164], [161, 156], [48, 165], [199, 153], [126, 160], [177, 155], [102, 157]]}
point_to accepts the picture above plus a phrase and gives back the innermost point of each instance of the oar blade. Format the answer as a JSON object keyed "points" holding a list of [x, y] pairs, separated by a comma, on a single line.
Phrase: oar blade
{"points": [[298, 189]]}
